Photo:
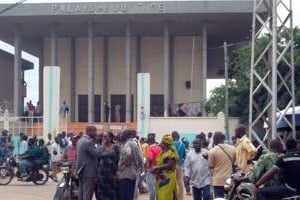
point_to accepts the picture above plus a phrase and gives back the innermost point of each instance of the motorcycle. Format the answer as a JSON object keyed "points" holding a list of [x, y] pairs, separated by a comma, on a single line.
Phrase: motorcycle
{"points": [[68, 187], [38, 174], [239, 190]]}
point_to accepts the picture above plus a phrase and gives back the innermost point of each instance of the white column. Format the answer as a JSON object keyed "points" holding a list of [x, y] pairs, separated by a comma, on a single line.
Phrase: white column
{"points": [[128, 72], [204, 69], [90, 72], [17, 71], [166, 68], [53, 45]]}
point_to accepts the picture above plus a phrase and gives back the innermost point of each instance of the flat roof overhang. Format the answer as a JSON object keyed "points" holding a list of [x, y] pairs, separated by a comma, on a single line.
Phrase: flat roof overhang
{"points": [[226, 20]]}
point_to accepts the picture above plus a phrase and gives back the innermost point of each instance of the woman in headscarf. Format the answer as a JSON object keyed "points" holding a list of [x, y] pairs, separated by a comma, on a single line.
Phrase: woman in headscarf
{"points": [[166, 186]]}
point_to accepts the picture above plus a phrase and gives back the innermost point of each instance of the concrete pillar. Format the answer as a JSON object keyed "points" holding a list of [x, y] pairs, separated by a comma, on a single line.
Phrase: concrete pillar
{"points": [[73, 78], [204, 69], [166, 69], [90, 72], [171, 71], [104, 76], [41, 70], [53, 45], [128, 72], [17, 71], [138, 54]]}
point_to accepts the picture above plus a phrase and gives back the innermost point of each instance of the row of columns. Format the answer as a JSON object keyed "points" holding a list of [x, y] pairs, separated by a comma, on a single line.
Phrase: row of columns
{"points": [[90, 76]]}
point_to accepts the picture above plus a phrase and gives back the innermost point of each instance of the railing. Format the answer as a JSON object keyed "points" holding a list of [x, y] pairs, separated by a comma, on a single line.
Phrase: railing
{"points": [[188, 109], [28, 125]]}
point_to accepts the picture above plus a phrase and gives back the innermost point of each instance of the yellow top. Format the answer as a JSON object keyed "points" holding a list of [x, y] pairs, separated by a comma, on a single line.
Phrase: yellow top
{"points": [[245, 151]]}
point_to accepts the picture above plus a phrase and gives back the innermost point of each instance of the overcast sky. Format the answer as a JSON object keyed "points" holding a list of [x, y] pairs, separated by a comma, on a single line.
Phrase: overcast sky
{"points": [[31, 76]]}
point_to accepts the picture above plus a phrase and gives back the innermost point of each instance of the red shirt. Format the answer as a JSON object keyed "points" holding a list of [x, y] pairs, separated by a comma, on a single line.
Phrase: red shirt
{"points": [[71, 153], [153, 151]]}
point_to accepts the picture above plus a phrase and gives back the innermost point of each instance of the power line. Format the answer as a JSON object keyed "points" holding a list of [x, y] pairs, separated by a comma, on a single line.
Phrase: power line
{"points": [[18, 3]]}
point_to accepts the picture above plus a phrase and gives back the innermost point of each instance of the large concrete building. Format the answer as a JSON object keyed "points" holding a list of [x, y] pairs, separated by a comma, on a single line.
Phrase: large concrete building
{"points": [[101, 46]]}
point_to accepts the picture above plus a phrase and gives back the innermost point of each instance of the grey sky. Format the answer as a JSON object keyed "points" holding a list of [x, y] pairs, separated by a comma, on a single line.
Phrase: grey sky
{"points": [[32, 75]]}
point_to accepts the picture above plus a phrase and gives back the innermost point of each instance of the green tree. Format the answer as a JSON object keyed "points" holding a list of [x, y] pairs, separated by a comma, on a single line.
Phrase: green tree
{"points": [[238, 89]]}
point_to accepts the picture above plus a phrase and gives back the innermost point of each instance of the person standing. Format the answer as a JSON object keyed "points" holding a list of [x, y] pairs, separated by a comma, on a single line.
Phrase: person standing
{"points": [[86, 163], [245, 150], [55, 155], [197, 172], [220, 160], [106, 111], [108, 167], [130, 164], [180, 147], [152, 153], [165, 171]]}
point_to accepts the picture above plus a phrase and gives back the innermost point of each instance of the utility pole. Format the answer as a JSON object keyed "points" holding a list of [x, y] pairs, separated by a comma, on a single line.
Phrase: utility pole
{"points": [[277, 77], [226, 123]]}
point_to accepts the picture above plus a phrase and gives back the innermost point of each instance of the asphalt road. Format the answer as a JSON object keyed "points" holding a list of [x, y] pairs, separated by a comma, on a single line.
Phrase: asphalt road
{"points": [[28, 191]]}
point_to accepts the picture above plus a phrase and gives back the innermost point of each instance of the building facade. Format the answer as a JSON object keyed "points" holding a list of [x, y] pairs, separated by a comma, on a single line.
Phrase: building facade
{"points": [[101, 47]]}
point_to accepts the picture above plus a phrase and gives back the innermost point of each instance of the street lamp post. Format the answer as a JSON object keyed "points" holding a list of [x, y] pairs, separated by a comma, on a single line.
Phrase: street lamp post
{"points": [[226, 123]]}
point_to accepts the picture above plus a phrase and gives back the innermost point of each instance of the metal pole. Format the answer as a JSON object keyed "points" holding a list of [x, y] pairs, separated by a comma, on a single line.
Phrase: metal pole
{"points": [[274, 69], [226, 92], [292, 70]]}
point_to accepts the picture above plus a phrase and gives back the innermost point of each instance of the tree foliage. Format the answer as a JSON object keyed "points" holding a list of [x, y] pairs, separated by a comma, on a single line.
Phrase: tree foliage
{"points": [[239, 84]]}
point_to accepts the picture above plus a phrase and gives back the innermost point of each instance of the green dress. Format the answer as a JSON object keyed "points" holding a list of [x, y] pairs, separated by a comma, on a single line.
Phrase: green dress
{"points": [[165, 185]]}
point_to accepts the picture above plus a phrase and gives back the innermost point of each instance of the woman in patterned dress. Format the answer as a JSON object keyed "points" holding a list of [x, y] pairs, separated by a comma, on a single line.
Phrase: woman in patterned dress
{"points": [[108, 166]]}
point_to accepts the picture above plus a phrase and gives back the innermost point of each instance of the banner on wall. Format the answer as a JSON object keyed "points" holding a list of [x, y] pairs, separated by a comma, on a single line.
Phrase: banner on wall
{"points": [[51, 100], [143, 103]]}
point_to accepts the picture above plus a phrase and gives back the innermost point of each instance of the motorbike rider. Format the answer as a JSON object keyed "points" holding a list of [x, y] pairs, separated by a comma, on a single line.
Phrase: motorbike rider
{"points": [[264, 163], [288, 165], [28, 158], [3, 150], [70, 154], [43, 153]]}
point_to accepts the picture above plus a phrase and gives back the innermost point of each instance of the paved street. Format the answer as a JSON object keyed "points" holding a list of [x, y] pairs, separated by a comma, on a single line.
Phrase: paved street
{"points": [[28, 191]]}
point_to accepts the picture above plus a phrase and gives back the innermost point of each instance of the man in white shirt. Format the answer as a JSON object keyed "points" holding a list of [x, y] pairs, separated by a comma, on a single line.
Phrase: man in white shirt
{"points": [[196, 170], [23, 144]]}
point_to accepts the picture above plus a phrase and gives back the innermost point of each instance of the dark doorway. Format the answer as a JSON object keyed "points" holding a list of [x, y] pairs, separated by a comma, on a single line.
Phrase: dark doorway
{"points": [[97, 108], [117, 100], [83, 108], [157, 105], [121, 101]]}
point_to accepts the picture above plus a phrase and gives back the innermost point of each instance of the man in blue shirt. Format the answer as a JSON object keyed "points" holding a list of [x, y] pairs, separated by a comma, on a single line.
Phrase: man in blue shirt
{"points": [[180, 147]]}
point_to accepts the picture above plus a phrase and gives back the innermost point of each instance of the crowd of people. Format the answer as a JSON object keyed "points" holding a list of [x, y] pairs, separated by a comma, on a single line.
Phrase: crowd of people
{"points": [[114, 167]]}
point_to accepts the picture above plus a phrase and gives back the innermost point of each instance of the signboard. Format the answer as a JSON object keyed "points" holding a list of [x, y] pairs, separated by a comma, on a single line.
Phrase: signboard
{"points": [[143, 103]]}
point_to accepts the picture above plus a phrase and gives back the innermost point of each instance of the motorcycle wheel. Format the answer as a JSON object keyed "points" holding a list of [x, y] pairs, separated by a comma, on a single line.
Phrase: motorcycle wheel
{"points": [[41, 177], [6, 175]]}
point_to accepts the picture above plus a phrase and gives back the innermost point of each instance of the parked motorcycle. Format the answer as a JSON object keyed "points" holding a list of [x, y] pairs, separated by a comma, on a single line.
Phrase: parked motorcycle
{"points": [[38, 174], [68, 187]]}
